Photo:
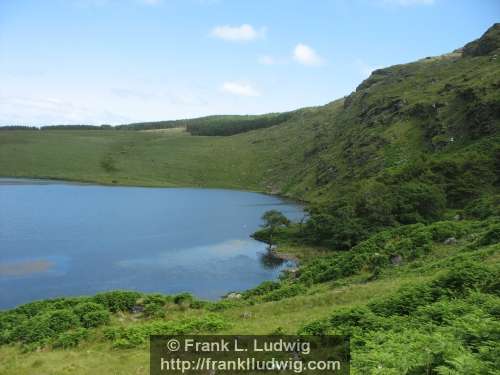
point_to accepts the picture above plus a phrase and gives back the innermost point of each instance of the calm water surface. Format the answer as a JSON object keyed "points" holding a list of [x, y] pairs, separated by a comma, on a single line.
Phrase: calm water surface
{"points": [[59, 239]]}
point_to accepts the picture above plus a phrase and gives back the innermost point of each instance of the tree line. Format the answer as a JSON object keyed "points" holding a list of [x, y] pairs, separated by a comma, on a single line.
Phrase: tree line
{"points": [[204, 126]]}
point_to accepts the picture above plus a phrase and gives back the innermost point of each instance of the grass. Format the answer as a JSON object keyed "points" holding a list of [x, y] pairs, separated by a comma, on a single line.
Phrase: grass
{"points": [[96, 356], [166, 158]]}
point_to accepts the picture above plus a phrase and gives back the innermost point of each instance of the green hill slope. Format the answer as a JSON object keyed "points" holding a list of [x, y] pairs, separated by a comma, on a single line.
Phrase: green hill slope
{"points": [[438, 107]]}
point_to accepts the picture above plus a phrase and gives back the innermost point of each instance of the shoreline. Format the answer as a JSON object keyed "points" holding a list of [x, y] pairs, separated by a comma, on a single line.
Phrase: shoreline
{"points": [[63, 180]]}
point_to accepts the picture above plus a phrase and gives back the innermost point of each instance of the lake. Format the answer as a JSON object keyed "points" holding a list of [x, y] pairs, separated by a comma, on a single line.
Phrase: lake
{"points": [[62, 239]]}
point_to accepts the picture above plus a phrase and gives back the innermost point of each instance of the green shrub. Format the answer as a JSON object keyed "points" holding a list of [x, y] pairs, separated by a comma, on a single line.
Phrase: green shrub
{"points": [[286, 291], [91, 314], [484, 207], [154, 310], [183, 298], [444, 311], [263, 288], [359, 317], [491, 237], [464, 277], [95, 319], [129, 337], [70, 339], [224, 304], [198, 304], [46, 325], [10, 321], [419, 202], [406, 300], [117, 300], [60, 320], [159, 299], [85, 307], [316, 328], [443, 230], [409, 352]]}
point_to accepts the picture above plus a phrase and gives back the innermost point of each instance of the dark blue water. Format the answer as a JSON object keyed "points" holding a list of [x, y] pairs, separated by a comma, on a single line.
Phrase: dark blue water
{"points": [[60, 239]]}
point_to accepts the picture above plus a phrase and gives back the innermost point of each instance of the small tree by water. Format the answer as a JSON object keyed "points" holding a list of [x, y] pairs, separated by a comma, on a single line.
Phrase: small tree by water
{"points": [[274, 219]]}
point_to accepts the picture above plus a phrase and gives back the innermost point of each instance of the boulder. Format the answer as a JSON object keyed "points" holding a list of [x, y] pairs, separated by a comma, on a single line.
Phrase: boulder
{"points": [[233, 296], [396, 259], [450, 241]]}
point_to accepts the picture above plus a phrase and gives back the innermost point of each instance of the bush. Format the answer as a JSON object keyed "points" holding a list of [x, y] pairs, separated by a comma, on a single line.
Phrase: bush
{"points": [[224, 304], [117, 300], [129, 337], [183, 299], [154, 310], [286, 291], [419, 202], [316, 328], [464, 277], [264, 288], [91, 314], [445, 229], [492, 236], [359, 317], [444, 311], [60, 320], [484, 207], [95, 319], [83, 308], [70, 339], [47, 325], [198, 304], [406, 300]]}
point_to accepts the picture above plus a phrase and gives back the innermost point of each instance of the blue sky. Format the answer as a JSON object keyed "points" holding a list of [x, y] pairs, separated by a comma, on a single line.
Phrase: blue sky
{"points": [[118, 61]]}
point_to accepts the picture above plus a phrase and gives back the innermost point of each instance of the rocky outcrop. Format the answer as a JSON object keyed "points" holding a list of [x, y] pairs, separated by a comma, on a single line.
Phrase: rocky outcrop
{"points": [[487, 44]]}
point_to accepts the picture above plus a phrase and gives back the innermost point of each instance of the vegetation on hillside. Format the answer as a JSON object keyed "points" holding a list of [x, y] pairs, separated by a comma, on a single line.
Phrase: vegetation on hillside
{"points": [[214, 125]]}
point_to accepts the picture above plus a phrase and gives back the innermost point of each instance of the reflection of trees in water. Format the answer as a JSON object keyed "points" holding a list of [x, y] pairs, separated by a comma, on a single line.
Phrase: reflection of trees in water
{"points": [[270, 261]]}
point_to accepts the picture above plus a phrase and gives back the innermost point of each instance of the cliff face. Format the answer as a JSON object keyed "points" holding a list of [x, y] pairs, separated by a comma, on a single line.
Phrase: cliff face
{"points": [[437, 107], [488, 44]]}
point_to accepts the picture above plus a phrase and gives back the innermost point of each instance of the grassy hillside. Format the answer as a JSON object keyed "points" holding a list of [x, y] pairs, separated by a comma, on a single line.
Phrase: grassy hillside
{"points": [[401, 250], [163, 158]]}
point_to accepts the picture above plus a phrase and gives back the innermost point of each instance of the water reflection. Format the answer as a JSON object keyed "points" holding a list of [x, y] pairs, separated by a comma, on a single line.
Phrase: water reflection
{"points": [[60, 239], [269, 260]]}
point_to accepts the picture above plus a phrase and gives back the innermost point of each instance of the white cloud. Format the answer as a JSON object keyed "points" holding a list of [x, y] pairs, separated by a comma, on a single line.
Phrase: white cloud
{"points": [[272, 60], [49, 110], [243, 33], [240, 88], [409, 2], [305, 55], [150, 2], [267, 60]]}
